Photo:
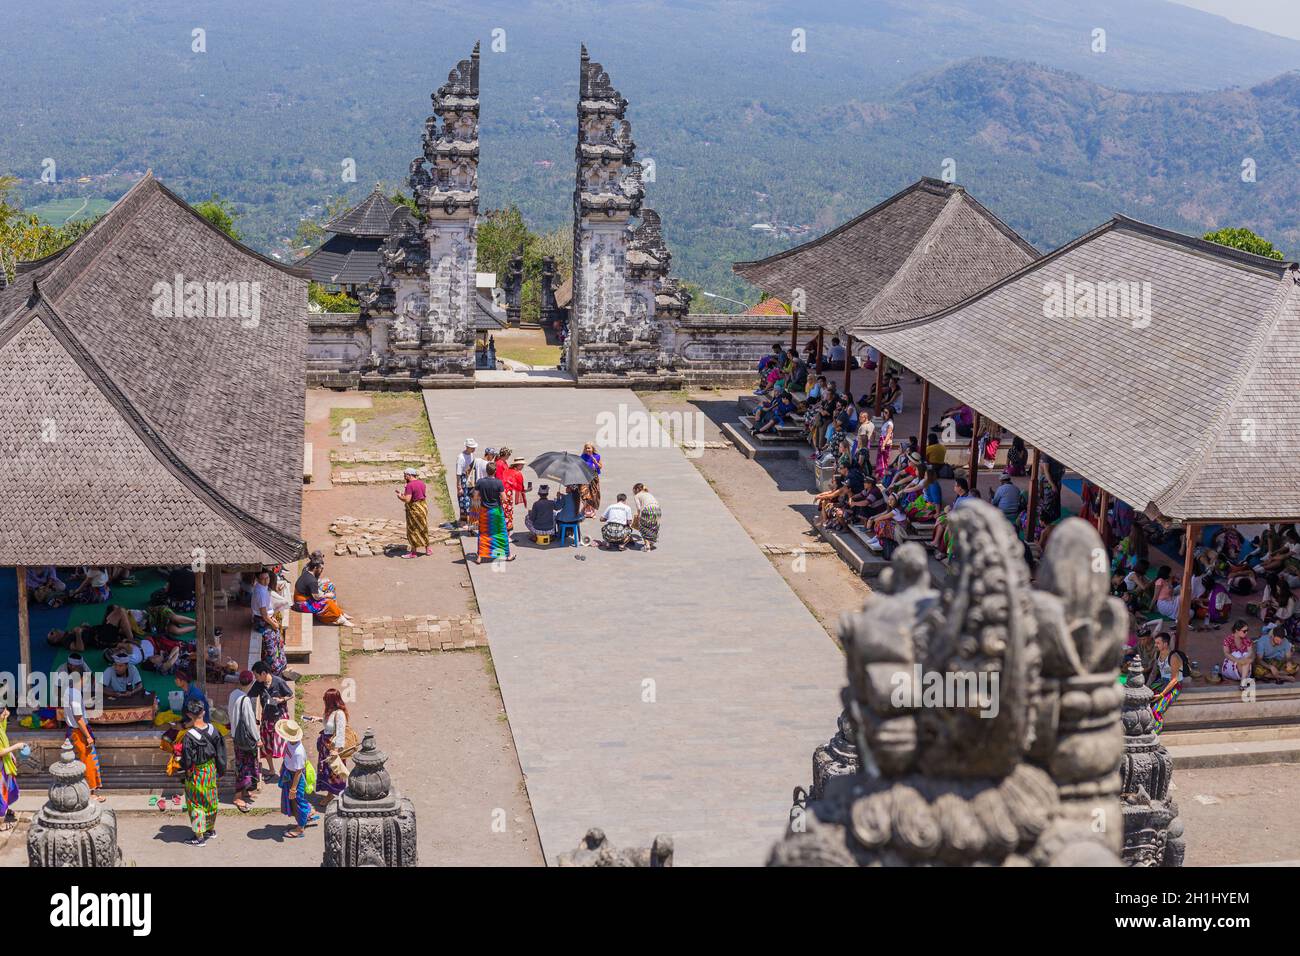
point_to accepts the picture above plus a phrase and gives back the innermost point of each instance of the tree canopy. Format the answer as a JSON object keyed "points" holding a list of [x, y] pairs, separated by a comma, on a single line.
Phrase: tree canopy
{"points": [[1245, 240]]}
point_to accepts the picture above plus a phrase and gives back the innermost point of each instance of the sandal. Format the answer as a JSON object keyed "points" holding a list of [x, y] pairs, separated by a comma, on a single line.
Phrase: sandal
{"points": [[290, 835], [242, 807]]}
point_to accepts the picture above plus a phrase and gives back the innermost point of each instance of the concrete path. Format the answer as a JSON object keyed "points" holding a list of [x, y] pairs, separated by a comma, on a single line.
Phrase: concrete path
{"points": [[679, 691]]}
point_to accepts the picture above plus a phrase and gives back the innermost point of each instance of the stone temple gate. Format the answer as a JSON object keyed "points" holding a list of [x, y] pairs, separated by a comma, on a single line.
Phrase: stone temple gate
{"points": [[419, 315]]}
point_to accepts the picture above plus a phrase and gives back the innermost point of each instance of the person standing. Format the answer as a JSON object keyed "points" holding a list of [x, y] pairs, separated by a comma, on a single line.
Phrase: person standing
{"points": [[8, 774], [493, 536], [244, 736], [512, 481], [293, 779], [273, 696], [648, 515], [413, 496], [83, 740], [591, 493], [203, 760], [267, 622], [466, 474], [330, 744]]}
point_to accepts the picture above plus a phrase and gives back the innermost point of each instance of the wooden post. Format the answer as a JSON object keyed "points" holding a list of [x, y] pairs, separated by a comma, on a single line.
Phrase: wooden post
{"points": [[24, 637], [848, 362], [202, 623], [974, 450], [1185, 593], [794, 333], [925, 410], [821, 342], [880, 378], [1031, 520], [1103, 526]]}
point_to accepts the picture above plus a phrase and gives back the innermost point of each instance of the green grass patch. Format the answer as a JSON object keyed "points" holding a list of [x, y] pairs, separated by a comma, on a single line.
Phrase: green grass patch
{"points": [[547, 355], [58, 212]]}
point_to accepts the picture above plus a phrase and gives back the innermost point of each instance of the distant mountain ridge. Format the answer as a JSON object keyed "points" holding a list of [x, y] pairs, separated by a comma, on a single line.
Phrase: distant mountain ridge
{"points": [[742, 129]]}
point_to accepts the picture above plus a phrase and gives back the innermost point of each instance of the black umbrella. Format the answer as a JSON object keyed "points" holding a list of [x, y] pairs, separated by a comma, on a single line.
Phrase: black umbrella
{"points": [[562, 466]]}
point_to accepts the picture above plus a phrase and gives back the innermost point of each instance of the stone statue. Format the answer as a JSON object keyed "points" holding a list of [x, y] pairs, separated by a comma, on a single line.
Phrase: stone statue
{"points": [[596, 850], [371, 823], [984, 716], [1153, 834], [72, 829]]}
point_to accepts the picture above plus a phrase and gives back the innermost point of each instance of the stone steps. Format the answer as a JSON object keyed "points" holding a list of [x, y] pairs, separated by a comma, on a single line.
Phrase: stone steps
{"points": [[751, 448]]}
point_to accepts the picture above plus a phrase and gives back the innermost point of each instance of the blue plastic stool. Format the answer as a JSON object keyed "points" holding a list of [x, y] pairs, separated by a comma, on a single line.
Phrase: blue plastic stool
{"points": [[569, 529]]}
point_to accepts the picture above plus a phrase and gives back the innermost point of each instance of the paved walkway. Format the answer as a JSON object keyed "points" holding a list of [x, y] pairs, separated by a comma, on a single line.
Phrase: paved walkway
{"points": [[680, 691]]}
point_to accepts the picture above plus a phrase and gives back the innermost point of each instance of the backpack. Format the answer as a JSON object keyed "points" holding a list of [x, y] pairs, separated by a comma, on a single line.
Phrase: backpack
{"points": [[245, 736]]}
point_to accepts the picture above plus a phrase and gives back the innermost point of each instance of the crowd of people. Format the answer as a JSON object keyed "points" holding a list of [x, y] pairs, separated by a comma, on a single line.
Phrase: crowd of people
{"points": [[887, 486], [491, 491]]}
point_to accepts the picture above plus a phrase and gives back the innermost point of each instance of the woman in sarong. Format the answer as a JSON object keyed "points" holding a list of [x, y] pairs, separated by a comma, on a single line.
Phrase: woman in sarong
{"points": [[8, 774], [926, 503], [591, 491], [885, 443], [329, 743], [293, 779], [512, 480], [648, 515], [1238, 654], [203, 760], [310, 597], [414, 496], [942, 542]]}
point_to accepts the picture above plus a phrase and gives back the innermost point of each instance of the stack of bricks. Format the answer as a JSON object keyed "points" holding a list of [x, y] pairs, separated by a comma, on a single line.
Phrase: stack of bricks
{"points": [[427, 465], [364, 537], [414, 633]]}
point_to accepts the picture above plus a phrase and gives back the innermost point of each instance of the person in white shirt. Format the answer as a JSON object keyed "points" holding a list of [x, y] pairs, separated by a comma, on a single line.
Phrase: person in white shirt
{"points": [[245, 736], [469, 468], [293, 782], [616, 521], [74, 715]]}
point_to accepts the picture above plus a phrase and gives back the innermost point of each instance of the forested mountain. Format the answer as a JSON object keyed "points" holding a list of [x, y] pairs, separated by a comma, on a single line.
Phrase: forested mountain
{"points": [[1051, 132]]}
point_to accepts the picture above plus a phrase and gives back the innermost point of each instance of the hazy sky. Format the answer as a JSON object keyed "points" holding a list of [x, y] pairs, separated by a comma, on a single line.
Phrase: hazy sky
{"points": [[1275, 16]]}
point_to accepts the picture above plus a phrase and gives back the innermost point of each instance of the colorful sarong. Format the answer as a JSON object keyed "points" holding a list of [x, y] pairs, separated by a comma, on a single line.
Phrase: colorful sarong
{"points": [[201, 798], [493, 536], [246, 775], [326, 610], [921, 508], [273, 650], [647, 522], [1162, 702], [272, 743], [417, 524], [8, 793], [615, 533], [326, 780], [294, 805], [508, 508], [84, 745], [463, 495]]}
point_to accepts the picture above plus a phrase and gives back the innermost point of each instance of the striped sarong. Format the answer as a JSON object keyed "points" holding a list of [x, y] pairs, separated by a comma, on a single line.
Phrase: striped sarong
{"points": [[201, 798], [647, 523], [84, 745], [272, 743], [417, 524], [493, 536]]}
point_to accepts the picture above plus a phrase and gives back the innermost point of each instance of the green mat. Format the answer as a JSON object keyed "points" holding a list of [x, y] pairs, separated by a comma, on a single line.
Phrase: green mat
{"points": [[136, 596]]}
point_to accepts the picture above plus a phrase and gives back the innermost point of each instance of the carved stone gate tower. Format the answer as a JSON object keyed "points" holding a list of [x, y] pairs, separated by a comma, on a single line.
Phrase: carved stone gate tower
{"points": [[618, 271]]}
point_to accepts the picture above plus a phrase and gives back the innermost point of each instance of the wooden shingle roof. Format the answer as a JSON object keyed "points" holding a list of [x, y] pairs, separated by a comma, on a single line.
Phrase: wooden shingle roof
{"points": [[1189, 410], [921, 249], [199, 414]]}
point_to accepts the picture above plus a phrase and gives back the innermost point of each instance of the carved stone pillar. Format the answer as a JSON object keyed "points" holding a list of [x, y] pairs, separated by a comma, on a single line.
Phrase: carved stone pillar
{"points": [[1153, 834], [72, 829], [371, 823], [836, 758]]}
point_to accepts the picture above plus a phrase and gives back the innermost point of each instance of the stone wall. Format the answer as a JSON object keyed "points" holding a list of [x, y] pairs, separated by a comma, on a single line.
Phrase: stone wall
{"points": [[721, 349]]}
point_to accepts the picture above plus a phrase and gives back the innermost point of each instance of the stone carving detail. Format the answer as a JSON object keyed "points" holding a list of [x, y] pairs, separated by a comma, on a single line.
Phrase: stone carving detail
{"points": [[985, 716], [596, 850], [1153, 834], [621, 290], [371, 823], [425, 290], [72, 829]]}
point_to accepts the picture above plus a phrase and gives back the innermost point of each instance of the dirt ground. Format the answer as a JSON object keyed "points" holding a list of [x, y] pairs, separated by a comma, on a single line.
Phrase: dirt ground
{"points": [[772, 500], [1238, 815]]}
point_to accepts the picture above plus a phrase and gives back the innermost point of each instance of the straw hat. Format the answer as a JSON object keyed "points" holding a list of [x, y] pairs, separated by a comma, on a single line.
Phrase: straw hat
{"points": [[289, 730]]}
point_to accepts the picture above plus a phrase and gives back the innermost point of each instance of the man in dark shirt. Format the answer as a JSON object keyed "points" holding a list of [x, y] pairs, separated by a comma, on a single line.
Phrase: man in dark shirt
{"points": [[541, 516], [274, 695], [490, 488]]}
